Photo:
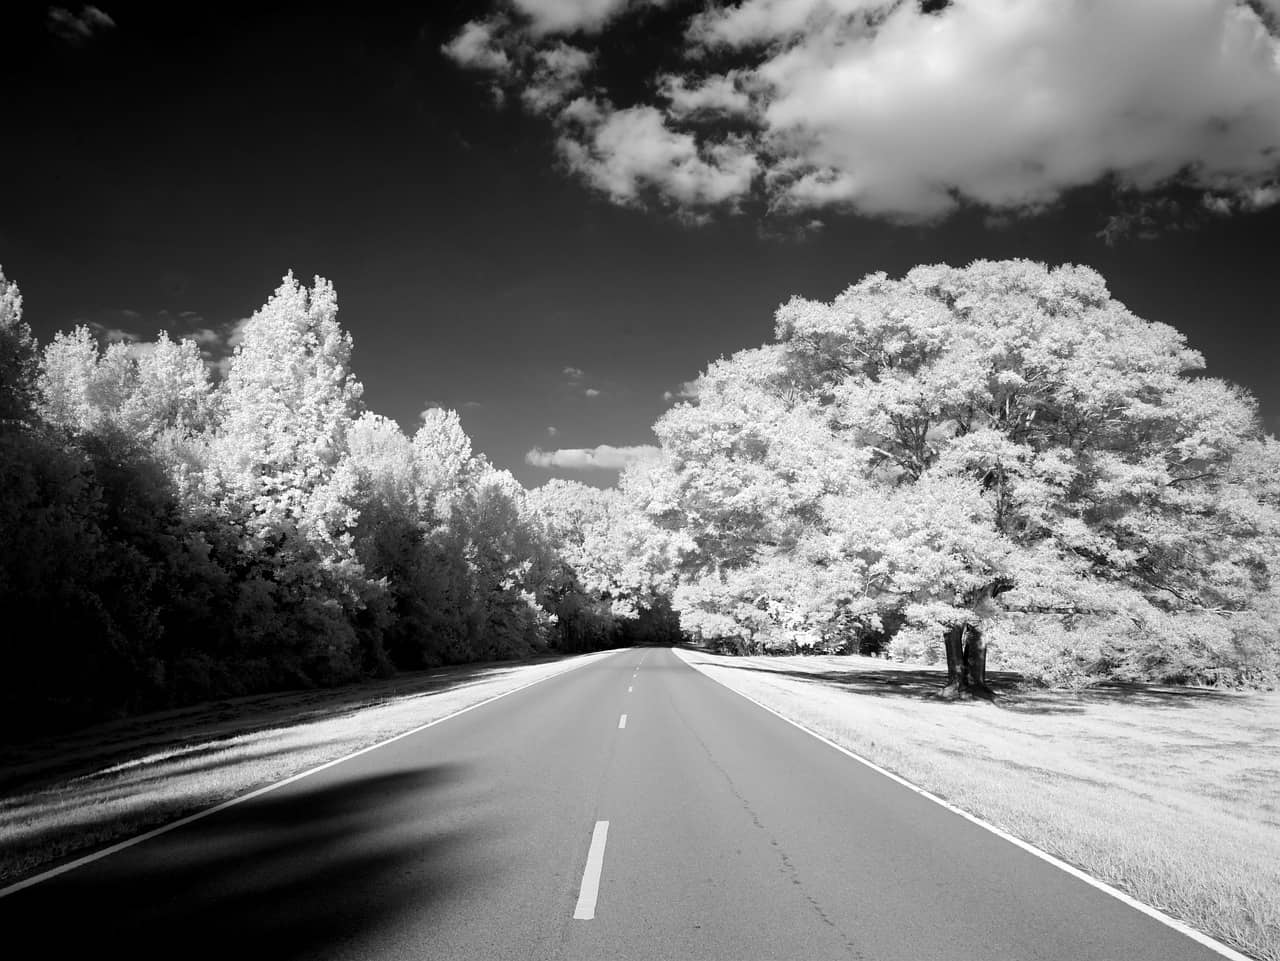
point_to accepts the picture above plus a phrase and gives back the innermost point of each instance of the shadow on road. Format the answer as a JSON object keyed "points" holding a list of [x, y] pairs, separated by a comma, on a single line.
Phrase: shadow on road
{"points": [[309, 871], [30, 765]]}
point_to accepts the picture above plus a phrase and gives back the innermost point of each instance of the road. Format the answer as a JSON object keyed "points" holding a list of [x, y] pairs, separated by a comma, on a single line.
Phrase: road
{"points": [[731, 835]]}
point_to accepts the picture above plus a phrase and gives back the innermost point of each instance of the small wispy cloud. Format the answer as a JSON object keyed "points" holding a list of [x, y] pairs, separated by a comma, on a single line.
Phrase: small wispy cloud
{"points": [[603, 457], [575, 381], [686, 391], [77, 29], [112, 335], [552, 431], [217, 342]]}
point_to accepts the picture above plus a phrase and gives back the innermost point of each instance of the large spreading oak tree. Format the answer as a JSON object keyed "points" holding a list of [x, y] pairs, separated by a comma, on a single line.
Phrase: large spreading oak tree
{"points": [[965, 440]]}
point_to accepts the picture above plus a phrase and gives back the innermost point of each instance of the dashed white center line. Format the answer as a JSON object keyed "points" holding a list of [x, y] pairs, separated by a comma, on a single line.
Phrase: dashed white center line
{"points": [[622, 722], [586, 909]]}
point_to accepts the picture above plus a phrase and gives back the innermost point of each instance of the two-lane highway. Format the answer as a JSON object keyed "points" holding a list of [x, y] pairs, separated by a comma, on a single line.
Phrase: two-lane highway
{"points": [[629, 809]]}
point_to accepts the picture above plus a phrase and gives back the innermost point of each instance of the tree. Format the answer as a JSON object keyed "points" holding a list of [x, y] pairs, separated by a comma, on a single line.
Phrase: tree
{"points": [[612, 563], [289, 399], [286, 408], [1008, 435], [19, 360]]}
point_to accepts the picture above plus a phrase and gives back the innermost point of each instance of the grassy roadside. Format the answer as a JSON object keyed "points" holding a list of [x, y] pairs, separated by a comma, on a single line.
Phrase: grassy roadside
{"points": [[1172, 795], [66, 796]]}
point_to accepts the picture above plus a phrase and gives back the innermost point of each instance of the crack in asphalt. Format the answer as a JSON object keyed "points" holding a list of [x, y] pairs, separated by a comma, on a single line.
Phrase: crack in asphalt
{"points": [[789, 869]]}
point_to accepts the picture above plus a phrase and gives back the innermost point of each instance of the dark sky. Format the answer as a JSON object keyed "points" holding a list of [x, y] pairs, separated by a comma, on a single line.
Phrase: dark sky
{"points": [[165, 172]]}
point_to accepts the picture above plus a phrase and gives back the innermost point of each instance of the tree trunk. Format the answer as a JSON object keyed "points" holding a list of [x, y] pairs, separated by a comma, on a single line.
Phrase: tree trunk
{"points": [[966, 664]]}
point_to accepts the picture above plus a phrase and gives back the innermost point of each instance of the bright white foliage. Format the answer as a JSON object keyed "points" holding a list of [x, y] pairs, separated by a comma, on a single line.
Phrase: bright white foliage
{"points": [[288, 403], [932, 444], [614, 551], [18, 365]]}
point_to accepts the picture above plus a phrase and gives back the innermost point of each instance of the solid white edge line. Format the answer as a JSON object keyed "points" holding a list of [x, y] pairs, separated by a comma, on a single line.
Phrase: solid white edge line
{"points": [[181, 822], [585, 910], [622, 722], [1180, 926]]}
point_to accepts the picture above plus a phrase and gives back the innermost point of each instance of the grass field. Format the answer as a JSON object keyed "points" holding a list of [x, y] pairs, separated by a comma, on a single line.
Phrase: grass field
{"points": [[66, 796], [1171, 794]]}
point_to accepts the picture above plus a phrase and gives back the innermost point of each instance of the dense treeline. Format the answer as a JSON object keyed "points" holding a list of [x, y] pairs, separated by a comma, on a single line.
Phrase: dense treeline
{"points": [[1000, 457], [997, 460], [168, 538]]}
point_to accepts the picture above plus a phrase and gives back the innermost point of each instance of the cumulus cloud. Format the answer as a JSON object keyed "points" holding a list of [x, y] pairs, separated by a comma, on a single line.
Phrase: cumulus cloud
{"points": [[907, 111], [478, 46], [1007, 104], [547, 76], [590, 392], [716, 95], [552, 431], [557, 75], [756, 22], [604, 457], [77, 29], [621, 152], [569, 16], [574, 373]]}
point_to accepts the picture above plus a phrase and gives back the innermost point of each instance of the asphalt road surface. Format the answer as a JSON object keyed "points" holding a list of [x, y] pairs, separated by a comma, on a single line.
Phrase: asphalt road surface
{"points": [[730, 835]]}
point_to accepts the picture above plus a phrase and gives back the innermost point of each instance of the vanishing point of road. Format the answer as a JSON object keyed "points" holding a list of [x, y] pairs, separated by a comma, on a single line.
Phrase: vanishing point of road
{"points": [[628, 809]]}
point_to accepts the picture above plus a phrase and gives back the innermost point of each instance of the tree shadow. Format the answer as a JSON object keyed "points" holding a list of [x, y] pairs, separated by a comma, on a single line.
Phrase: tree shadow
{"points": [[309, 870], [33, 764], [1013, 692], [1027, 698], [920, 684]]}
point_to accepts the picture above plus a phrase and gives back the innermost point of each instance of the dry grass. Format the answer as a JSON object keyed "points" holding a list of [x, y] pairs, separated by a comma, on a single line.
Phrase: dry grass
{"points": [[63, 797], [1170, 794]]}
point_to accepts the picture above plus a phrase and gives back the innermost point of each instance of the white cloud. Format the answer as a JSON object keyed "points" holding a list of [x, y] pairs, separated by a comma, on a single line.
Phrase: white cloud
{"points": [[604, 457], [771, 21], [569, 16], [710, 96], [1008, 103], [557, 75], [112, 335], [878, 107], [218, 342], [77, 29], [686, 391], [574, 377], [479, 47], [552, 431], [624, 151]]}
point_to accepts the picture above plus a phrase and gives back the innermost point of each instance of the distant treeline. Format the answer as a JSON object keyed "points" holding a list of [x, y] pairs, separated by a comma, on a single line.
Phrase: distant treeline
{"points": [[167, 538], [999, 460]]}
